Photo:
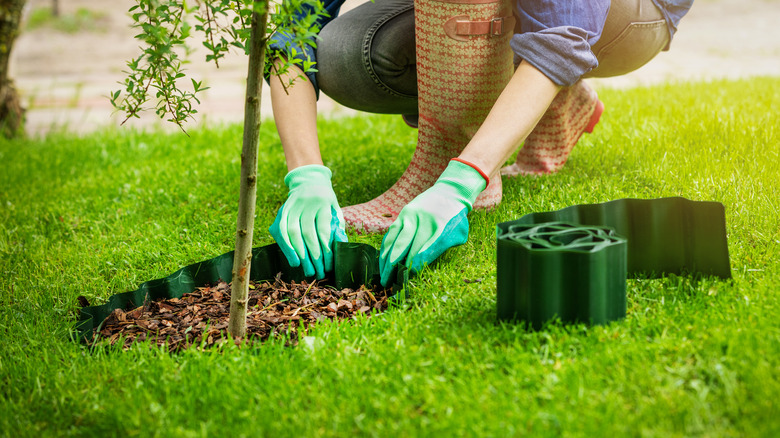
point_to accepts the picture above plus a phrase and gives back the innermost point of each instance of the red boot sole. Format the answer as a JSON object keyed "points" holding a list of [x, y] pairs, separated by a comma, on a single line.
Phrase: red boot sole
{"points": [[594, 118]]}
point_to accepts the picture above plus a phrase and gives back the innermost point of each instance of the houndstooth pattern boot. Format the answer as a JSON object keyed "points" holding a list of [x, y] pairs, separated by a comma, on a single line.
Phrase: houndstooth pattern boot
{"points": [[464, 61], [574, 110]]}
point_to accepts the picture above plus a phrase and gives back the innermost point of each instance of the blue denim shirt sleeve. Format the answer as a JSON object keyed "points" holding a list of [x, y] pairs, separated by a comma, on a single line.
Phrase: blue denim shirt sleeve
{"points": [[280, 41], [673, 11], [556, 36]]}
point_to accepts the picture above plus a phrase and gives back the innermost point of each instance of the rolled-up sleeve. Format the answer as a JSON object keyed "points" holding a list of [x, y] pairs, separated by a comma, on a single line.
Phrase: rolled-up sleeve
{"points": [[673, 11], [281, 42], [556, 36]]}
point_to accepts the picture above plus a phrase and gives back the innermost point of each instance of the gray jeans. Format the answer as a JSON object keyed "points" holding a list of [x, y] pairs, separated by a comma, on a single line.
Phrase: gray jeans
{"points": [[366, 57]]}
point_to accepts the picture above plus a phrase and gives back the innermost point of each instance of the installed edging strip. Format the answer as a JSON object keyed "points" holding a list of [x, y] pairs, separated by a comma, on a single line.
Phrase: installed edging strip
{"points": [[356, 264]]}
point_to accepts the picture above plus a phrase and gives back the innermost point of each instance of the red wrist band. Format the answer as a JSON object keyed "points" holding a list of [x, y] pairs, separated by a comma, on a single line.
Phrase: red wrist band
{"points": [[474, 166]]}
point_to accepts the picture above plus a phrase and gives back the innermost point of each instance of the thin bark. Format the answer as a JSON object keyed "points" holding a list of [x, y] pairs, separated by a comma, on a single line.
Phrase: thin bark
{"points": [[248, 196], [11, 112]]}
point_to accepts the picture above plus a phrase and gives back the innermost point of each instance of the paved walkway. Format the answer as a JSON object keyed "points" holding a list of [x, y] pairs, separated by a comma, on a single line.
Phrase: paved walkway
{"points": [[65, 78]]}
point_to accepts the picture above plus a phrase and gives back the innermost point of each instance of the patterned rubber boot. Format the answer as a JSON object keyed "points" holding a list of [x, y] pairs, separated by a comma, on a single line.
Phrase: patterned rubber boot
{"points": [[574, 110], [463, 63]]}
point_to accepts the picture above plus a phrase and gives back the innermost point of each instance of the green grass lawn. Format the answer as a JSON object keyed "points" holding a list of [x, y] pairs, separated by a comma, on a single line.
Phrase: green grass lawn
{"points": [[98, 215]]}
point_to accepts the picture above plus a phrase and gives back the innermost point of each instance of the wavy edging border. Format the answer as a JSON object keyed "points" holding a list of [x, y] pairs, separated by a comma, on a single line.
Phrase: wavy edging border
{"points": [[356, 264]]}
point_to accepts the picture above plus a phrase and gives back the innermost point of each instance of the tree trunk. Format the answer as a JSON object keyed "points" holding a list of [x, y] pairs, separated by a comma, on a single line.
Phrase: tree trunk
{"points": [[248, 196], [11, 112]]}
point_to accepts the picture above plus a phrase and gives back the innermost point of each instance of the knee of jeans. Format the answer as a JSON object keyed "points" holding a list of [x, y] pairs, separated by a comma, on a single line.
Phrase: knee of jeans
{"points": [[385, 55], [338, 50], [363, 70], [393, 59]]}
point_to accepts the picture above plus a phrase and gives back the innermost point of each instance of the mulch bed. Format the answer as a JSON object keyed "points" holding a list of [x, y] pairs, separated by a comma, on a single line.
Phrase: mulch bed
{"points": [[200, 319]]}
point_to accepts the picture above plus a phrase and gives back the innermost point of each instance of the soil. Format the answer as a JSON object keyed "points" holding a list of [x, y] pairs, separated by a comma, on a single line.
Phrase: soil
{"points": [[200, 319], [64, 78]]}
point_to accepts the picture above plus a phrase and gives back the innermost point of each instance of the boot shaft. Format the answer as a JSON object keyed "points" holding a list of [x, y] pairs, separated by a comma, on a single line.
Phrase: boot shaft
{"points": [[464, 61]]}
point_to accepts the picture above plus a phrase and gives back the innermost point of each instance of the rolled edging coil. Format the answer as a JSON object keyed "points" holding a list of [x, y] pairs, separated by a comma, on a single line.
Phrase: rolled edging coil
{"points": [[563, 270]]}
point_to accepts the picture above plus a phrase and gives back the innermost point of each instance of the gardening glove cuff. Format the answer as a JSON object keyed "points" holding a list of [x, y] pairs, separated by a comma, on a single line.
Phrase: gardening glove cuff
{"points": [[433, 222], [310, 221], [466, 181], [308, 175]]}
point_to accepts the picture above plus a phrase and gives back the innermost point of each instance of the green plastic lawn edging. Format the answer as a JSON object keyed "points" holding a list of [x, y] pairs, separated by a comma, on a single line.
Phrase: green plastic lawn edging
{"points": [[356, 264], [572, 263], [574, 272]]}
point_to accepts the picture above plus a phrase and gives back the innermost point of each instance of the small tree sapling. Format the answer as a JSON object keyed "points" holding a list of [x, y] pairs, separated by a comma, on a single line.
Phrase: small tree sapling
{"points": [[156, 75]]}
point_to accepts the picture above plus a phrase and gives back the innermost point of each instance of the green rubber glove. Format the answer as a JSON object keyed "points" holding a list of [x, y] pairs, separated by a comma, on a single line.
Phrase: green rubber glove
{"points": [[309, 221], [433, 222]]}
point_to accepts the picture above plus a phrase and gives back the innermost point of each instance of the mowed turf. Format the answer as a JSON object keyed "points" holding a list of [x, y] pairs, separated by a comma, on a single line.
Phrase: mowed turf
{"points": [[99, 214]]}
